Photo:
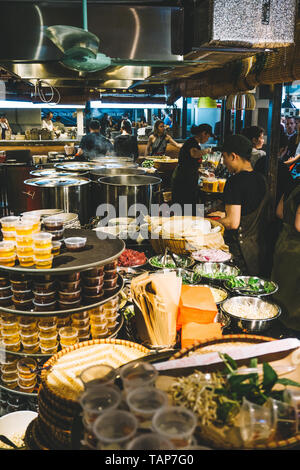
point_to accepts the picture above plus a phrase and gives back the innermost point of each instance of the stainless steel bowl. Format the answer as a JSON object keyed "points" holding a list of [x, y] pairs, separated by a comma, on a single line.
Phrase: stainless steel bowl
{"points": [[216, 271], [184, 261], [255, 303], [260, 292], [187, 275]]}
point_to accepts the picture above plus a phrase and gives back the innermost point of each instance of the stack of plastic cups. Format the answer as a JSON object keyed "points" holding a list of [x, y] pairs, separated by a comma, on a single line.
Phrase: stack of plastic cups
{"points": [[114, 429], [36, 221], [27, 374], [10, 331], [94, 402], [8, 225], [63, 321], [9, 374], [22, 293], [7, 253], [175, 423], [81, 321], [111, 312], [48, 335], [29, 335], [138, 374], [98, 323], [24, 242], [110, 278], [92, 285], [144, 402], [55, 225], [42, 250], [68, 336]]}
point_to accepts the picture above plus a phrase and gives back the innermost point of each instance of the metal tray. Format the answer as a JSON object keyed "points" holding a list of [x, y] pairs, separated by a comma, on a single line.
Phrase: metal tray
{"points": [[96, 253]]}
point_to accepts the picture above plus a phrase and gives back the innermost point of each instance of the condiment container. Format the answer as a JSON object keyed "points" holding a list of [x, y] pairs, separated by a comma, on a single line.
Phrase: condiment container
{"points": [[63, 305], [175, 423], [69, 286], [9, 223], [42, 240], [93, 281], [94, 272], [75, 243], [115, 428], [43, 263], [42, 307], [53, 223], [22, 295], [7, 249], [24, 227], [69, 296], [112, 265], [5, 291], [44, 298]]}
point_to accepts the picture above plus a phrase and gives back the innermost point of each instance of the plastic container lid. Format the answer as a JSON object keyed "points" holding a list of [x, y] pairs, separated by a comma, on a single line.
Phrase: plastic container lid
{"points": [[6, 245], [75, 241], [42, 236]]}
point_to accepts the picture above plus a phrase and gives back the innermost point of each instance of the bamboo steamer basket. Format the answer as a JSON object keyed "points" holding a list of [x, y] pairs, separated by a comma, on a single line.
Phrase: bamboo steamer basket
{"points": [[177, 245]]}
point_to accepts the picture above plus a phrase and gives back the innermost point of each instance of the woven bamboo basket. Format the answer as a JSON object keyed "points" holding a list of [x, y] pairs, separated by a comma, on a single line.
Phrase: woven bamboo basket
{"points": [[202, 347], [176, 245]]}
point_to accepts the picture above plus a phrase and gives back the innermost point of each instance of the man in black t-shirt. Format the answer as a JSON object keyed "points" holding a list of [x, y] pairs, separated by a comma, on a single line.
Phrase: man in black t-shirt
{"points": [[93, 145], [246, 202]]}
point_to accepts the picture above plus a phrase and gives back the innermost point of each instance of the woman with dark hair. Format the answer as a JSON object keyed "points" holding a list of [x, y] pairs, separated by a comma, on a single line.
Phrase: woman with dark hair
{"points": [[185, 177], [125, 144], [246, 202], [256, 136], [159, 139]]}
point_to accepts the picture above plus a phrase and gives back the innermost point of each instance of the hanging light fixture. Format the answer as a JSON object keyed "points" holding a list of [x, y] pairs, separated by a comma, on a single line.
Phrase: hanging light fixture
{"points": [[241, 101]]}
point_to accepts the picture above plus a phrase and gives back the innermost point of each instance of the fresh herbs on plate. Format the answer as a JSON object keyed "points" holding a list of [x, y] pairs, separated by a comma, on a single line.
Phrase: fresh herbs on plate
{"points": [[252, 284]]}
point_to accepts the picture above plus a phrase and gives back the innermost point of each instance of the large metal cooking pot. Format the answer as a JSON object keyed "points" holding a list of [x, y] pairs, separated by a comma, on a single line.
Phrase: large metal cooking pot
{"points": [[138, 193], [53, 173], [70, 193], [102, 172]]}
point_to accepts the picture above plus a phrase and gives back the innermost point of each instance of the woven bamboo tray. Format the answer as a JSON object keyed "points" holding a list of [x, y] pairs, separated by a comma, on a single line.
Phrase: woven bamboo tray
{"points": [[202, 347], [177, 245]]}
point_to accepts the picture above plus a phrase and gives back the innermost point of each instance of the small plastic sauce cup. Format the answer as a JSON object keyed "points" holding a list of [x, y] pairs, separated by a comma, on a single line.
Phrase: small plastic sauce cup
{"points": [[24, 227], [42, 240], [43, 263], [7, 249], [9, 223]]}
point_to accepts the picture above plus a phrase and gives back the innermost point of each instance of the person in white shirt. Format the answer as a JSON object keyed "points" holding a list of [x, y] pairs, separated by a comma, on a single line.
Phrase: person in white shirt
{"points": [[47, 122], [4, 126]]}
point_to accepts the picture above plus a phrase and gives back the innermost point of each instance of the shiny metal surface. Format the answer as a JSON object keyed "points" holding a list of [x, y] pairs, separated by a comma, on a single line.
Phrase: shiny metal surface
{"points": [[215, 271], [129, 194], [73, 196], [256, 303], [260, 292]]}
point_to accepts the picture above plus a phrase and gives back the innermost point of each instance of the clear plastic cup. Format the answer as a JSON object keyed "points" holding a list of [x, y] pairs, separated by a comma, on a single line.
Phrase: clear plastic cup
{"points": [[9, 235], [27, 368], [100, 374], [100, 335], [80, 323], [24, 250], [42, 253], [24, 227], [29, 338], [31, 348], [175, 423], [8, 261], [292, 397], [150, 441], [26, 261], [68, 335], [43, 263], [138, 374], [114, 429], [53, 223], [27, 324], [24, 240], [48, 341], [56, 246], [285, 416], [8, 223], [42, 240], [48, 325], [7, 249], [257, 423], [144, 402], [49, 350], [98, 400], [34, 219]]}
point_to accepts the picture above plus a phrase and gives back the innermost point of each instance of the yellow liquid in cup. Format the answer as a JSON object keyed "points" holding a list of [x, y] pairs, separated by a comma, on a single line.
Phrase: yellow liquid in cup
{"points": [[10, 262], [7, 253], [43, 244], [25, 242], [43, 255], [24, 230], [9, 237], [43, 264], [25, 262]]}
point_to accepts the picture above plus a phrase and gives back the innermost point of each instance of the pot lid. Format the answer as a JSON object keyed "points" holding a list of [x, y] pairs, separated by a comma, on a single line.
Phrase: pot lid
{"points": [[77, 166], [56, 182], [51, 172]]}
